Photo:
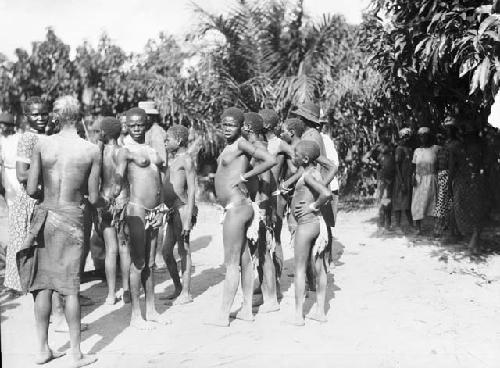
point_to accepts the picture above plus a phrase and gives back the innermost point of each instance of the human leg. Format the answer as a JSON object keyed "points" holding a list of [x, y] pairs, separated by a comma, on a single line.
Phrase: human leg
{"points": [[269, 276], [245, 313], [234, 230], [318, 312], [111, 246], [173, 233], [124, 250], [43, 306], [186, 264], [73, 318], [304, 238], [135, 223]]}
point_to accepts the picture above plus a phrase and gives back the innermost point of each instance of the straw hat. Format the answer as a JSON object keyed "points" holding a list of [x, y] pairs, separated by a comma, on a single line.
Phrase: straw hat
{"points": [[149, 107]]}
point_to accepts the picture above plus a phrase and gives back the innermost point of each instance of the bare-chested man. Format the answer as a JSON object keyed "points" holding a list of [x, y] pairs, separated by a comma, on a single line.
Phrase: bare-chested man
{"points": [[141, 166], [230, 178], [66, 164], [260, 193], [111, 217], [179, 188]]}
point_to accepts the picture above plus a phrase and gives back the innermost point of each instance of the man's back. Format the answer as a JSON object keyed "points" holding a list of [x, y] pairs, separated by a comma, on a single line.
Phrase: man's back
{"points": [[66, 161]]}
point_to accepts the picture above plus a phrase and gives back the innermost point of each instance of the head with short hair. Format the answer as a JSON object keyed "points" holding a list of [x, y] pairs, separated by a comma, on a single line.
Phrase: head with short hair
{"points": [[36, 113], [305, 153], [232, 121], [271, 119], [137, 124], [177, 136], [293, 127], [111, 128], [67, 109], [253, 123]]}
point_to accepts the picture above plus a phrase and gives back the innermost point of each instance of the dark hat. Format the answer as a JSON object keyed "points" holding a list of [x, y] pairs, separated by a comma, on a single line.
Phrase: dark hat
{"points": [[7, 118], [309, 111]]}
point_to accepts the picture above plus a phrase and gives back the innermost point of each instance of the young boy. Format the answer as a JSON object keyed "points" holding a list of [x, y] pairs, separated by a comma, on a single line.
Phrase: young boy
{"points": [[112, 217], [260, 193], [179, 187], [311, 237], [383, 155]]}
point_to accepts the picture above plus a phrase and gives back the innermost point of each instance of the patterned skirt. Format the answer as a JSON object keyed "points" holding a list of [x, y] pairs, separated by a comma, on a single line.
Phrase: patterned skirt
{"points": [[19, 224], [444, 199]]}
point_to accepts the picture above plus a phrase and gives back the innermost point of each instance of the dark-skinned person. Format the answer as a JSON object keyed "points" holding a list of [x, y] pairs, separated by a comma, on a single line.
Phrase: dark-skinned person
{"points": [[231, 178], [383, 155], [425, 187]]}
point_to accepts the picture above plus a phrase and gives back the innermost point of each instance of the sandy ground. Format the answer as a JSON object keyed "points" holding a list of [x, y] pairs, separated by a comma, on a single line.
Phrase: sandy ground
{"points": [[393, 302]]}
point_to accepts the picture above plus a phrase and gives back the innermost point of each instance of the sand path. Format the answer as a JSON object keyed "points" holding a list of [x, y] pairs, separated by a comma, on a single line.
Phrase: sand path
{"points": [[392, 303]]}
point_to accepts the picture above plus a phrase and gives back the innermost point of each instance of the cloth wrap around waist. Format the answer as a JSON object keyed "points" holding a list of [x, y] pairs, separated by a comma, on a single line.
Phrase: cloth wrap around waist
{"points": [[50, 256]]}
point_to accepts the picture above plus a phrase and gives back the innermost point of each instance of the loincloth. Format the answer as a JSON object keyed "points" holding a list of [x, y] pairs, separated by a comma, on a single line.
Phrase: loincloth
{"points": [[112, 215], [59, 250], [151, 213]]}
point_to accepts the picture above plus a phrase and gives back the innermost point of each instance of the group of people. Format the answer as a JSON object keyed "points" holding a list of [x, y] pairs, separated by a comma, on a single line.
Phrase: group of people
{"points": [[136, 183], [450, 176]]}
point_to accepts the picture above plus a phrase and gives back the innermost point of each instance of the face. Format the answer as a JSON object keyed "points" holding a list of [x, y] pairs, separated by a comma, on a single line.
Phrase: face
{"points": [[286, 135], [38, 117], [136, 127], [245, 130], [424, 139], [171, 142], [385, 137], [231, 128], [298, 159]]}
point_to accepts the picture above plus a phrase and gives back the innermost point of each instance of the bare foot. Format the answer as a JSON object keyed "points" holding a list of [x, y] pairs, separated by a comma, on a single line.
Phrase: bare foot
{"points": [[298, 321], [183, 299], [140, 324], [245, 315], [126, 298], [63, 327], [83, 360], [174, 295], [269, 308], [317, 316], [110, 300], [218, 322], [157, 318], [47, 356]]}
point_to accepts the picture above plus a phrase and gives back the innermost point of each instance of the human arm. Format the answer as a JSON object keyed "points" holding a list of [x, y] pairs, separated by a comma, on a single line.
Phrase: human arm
{"points": [[324, 195], [93, 179], [330, 166], [265, 160], [191, 192], [34, 172], [121, 170], [399, 175]]}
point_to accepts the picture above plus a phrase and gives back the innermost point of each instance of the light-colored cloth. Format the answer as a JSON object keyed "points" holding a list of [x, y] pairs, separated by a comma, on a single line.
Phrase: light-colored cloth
{"points": [[425, 192], [19, 214], [331, 154], [155, 138], [322, 240], [273, 145], [8, 157]]}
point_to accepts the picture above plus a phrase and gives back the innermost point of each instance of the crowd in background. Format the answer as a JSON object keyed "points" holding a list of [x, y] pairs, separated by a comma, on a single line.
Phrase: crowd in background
{"points": [[450, 175]]}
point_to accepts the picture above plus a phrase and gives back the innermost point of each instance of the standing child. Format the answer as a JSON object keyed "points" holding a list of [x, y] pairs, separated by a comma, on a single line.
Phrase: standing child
{"points": [[179, 188], [402, 184], [383, 154], [311, 236]]}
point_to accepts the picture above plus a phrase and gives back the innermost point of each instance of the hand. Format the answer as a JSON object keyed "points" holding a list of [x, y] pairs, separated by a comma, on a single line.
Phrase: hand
{"points": [[302, 209], [115, 191], [239, 181]]}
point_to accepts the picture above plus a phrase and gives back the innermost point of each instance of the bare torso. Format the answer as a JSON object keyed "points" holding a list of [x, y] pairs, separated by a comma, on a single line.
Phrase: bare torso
{"points": [[175, 183], [66, 163], [232, 163], [108, 173], [144, 179]]}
